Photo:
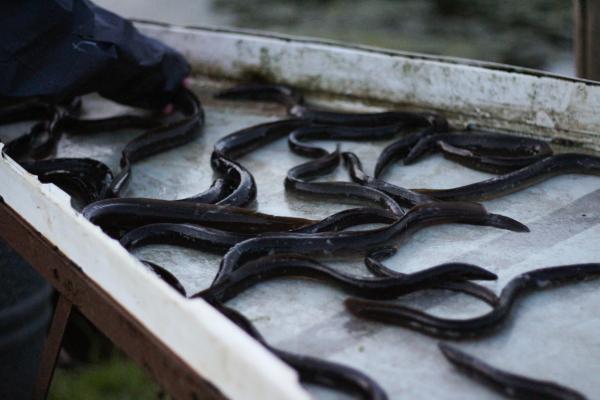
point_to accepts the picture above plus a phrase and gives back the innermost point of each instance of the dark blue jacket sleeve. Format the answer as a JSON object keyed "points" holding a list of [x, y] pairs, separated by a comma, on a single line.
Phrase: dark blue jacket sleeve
{"points": [[64, 48]]}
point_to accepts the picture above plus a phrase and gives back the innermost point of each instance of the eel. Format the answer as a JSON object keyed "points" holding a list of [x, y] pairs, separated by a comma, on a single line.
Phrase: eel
{"points": [[241, 185], [298, 180], [400, 148], [30, 109], [242, 142], [507, 383], [39, 142], [263, 92], [404, 197], [75, 125], [166, 276], [21, 148], [85, 179], [342, 242], [559, 164], [377, 268], [185, 235], [161, 138], [297, 139], [219, 241], [310, 369], [270, 267], [297, 107], [215, 193], [464, 328], [486, 151], [123, 214]]}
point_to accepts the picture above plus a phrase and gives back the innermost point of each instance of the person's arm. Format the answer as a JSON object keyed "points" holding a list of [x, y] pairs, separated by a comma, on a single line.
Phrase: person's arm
{"points": [[63, 48]]}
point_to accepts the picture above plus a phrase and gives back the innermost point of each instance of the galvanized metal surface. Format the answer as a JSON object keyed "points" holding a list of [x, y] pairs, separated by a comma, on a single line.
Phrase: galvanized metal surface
{"points": [[551, 335]]}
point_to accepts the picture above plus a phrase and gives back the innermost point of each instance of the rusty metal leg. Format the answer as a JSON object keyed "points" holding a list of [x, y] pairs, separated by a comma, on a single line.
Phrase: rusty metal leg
{"points": [[587, 39], [52, 346]]}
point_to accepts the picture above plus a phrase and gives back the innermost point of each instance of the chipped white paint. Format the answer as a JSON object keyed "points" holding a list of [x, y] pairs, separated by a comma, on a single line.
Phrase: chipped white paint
{"points": [[490, 94]]}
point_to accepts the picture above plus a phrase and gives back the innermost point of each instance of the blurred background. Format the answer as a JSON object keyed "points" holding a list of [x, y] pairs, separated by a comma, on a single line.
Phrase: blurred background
{"points": [[533, 33]]}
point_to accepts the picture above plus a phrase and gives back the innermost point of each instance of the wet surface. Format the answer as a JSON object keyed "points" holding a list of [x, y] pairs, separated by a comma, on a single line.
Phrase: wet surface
{"points": [[552, 335]]}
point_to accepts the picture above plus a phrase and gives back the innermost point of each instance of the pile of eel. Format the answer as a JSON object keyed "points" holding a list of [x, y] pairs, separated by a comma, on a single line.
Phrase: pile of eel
{"points": [[257, 247]]}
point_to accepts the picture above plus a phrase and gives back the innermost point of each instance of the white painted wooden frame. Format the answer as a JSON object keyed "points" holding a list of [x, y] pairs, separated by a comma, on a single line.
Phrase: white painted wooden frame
{"points": [[487, 93]]}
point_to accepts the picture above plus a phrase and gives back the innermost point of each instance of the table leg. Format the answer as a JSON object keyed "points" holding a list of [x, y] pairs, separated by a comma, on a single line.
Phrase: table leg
{"points": [[587, 42], [52, 346]]}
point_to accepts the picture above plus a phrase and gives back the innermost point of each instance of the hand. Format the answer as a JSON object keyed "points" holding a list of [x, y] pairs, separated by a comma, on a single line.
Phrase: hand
{"points": [[169, 108], [52, 50]]}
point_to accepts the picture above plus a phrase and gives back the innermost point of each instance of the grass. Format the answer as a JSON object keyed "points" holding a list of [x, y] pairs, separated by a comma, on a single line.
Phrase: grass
{"points": [[115, 379]]}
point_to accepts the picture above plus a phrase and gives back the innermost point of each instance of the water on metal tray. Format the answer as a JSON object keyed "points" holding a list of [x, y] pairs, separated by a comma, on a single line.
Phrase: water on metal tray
{"points": [[552, 335]]}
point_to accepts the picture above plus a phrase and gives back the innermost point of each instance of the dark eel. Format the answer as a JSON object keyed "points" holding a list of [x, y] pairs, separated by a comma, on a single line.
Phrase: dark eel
{"points": [[85, 179], [242, 142], [270, 267], [310, 369], [400, 148], [506, 383], [299, 178], [377, 268], [75, 125], [161, 138], [42, 138], [39, 142], [339, 242], [21, 148], [349, 218], [297, 107], [486, 151], [216, 240], [298, 138], [219, 241], [372, 119], [559, 164], [241, 185], [26, 110], [462, 328], [482, 150], [263, 92], [184, 235], [166, 276], [402, 196], [215, 193], [246, 140], [124, 214]]}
